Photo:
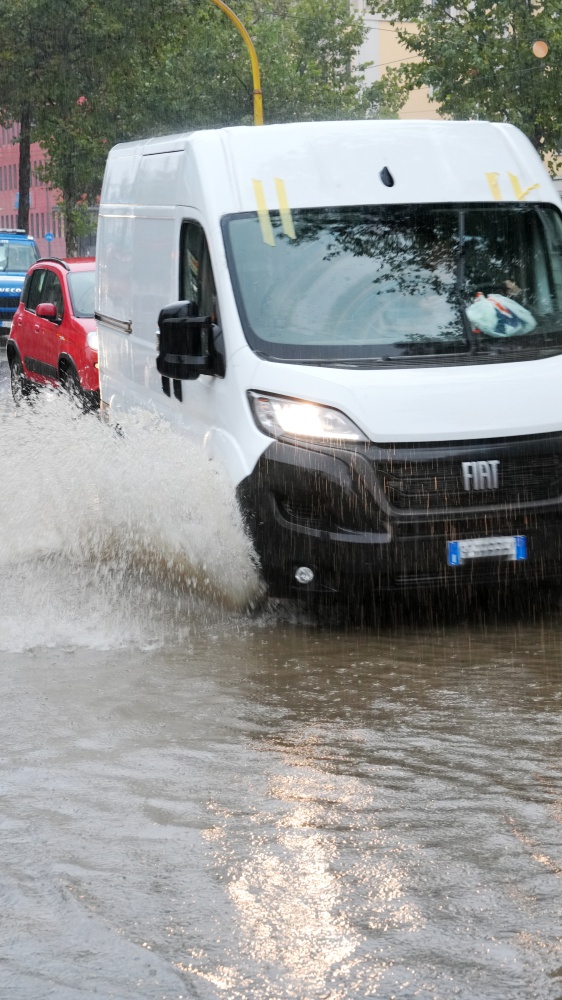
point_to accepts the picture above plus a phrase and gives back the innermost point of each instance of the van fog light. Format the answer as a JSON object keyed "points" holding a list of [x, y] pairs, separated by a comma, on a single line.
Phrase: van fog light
{"points": [[304, 574]]}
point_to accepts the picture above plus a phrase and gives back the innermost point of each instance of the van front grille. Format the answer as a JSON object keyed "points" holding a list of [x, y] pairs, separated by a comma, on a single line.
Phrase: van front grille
{"points": [[438, 484], [332, 511]]}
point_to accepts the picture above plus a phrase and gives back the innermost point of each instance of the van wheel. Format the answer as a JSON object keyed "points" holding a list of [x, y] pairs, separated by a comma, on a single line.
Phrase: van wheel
{"points": [[20, 385]]}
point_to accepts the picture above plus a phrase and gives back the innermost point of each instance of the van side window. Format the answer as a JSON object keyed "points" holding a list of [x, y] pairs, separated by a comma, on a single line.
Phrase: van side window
{"points": [[197, 284]]}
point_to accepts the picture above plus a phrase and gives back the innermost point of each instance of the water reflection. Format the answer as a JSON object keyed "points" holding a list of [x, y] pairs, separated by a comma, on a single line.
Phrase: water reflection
{"points": [[200, 803], [405, 838]]}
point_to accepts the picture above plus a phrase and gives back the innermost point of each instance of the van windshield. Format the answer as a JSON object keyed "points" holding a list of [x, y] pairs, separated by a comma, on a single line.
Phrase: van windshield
{"points": [[372, 284]]}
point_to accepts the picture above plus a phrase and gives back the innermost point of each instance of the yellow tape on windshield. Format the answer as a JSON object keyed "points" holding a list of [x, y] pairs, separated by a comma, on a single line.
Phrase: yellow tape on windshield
{"points": [[263, 214], [284, 210]]}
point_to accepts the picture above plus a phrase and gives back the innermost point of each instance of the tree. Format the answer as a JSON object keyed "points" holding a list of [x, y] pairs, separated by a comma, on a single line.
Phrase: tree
{"points": [[84, 74], [306, 50], [477, 58], [185, 66], [52, 54], [201, 75], [19, 65]]}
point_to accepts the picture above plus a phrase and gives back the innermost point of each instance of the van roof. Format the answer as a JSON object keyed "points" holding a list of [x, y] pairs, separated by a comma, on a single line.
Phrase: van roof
{"points": [[343, 163], [396, 129]]}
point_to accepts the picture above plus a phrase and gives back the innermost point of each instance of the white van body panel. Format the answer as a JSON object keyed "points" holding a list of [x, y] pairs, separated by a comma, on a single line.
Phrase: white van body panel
{"points": [[412, 405], [152, 186]]}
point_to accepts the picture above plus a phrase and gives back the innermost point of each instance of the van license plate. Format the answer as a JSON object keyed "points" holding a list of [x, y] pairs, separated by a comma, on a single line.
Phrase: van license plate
{"points": [[510, 547]]}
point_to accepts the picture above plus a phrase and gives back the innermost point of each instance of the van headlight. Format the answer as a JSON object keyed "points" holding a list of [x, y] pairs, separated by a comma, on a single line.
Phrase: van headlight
{"points": [[93, 340], [297, 419]]}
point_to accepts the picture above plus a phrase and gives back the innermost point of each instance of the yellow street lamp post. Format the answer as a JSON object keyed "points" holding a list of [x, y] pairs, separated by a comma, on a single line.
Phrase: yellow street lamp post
{"points": [[258, 102]]}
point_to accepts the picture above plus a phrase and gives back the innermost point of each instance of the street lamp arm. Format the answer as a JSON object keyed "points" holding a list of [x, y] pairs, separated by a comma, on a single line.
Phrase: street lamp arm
{"points": [[258, 101]]}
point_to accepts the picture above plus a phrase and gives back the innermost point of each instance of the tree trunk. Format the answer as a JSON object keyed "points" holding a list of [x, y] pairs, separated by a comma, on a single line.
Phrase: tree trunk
{"points": [[68, 203], [24, 167], [69, 217]]}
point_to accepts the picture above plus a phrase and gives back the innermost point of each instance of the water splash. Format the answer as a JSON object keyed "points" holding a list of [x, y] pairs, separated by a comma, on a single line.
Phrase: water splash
{"points": [[103, 532]]}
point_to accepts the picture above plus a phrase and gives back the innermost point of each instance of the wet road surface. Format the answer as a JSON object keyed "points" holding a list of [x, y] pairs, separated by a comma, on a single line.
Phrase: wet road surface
{"points": [[200, 802]]}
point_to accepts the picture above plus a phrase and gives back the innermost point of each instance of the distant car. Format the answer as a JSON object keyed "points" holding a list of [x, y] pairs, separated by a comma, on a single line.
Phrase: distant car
{"points": [[54, 340], [18, 251]]}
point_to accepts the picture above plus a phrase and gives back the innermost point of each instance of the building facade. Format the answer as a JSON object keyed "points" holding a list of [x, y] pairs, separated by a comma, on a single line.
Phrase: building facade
{"points": [[382, 50], [44, 216]]}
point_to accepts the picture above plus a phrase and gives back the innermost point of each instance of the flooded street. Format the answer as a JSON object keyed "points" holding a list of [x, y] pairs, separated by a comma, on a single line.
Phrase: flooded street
{"points": [[200, 801]]}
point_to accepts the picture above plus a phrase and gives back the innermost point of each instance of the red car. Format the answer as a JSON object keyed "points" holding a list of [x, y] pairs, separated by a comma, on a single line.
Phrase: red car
{"points": [[54, 340]]}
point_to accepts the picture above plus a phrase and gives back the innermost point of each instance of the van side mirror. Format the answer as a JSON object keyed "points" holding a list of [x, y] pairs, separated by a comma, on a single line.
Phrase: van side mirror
{"points": [[188, 345], [46, 310]]}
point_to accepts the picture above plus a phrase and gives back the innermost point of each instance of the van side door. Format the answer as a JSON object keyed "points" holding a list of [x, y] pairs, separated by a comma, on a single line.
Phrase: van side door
{"points": [[197, 286]]}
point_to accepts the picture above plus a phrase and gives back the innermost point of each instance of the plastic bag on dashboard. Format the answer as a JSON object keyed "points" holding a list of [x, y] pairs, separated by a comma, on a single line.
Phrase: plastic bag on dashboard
{"points": [[498, 316]]}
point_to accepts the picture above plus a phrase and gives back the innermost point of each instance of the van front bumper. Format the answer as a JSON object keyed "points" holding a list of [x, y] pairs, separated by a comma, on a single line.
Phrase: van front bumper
{"points": [[378, 518]]}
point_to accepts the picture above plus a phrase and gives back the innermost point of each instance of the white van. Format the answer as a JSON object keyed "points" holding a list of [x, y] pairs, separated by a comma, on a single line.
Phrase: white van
{"points": [[362, 321]]}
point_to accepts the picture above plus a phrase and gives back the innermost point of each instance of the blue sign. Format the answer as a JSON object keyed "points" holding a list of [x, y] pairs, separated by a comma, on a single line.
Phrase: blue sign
{"points": [[17, 200], [49, 237]]}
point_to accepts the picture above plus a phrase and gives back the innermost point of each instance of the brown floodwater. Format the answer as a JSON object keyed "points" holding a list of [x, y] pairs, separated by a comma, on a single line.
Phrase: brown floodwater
{"points": [[204, 802]]}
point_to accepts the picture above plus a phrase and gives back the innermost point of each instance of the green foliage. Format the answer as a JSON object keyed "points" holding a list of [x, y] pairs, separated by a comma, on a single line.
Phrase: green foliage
{"points": [[95, 72], [477, 57], [201, 76]]}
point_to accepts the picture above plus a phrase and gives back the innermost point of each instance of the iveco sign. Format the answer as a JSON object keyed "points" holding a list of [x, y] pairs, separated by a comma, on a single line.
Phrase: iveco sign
{"points": [[481, 475]]}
